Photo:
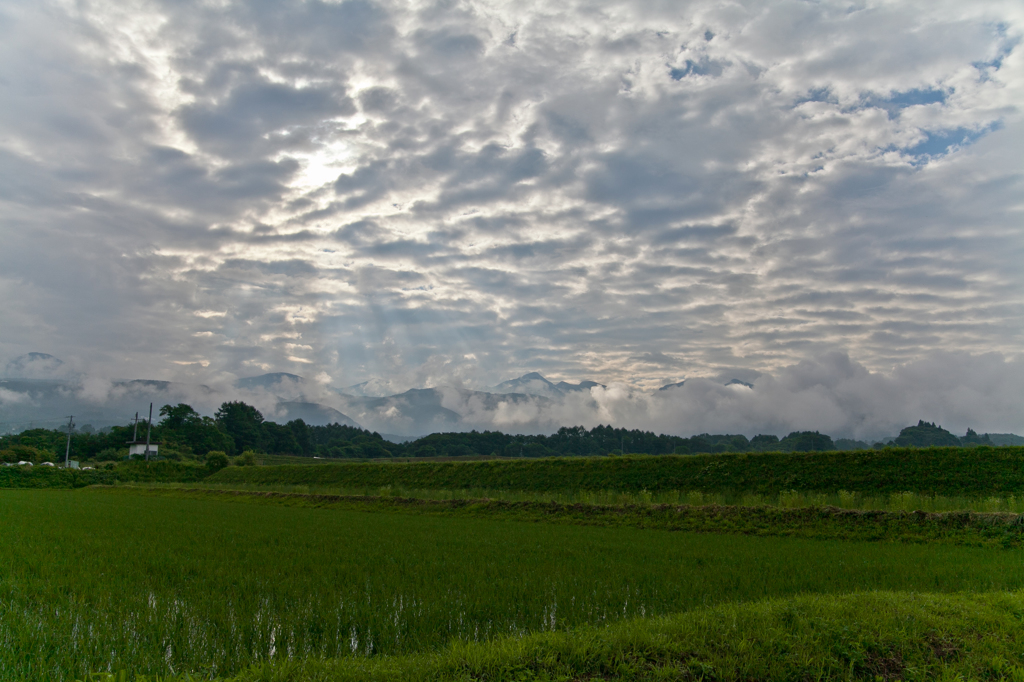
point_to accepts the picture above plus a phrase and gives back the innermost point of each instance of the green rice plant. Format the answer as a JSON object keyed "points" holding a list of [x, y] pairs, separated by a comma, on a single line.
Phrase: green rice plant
{"points": [[101, 580], [957, 528], [847, 500]]}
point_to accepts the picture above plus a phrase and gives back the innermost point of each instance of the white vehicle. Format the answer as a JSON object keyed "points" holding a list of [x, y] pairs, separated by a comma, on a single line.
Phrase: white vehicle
{"points": [[24, 463], [47, 464]]}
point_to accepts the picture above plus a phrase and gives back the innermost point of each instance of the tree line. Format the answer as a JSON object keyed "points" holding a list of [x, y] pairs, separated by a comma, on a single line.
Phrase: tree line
{"points": [[239, 429]]}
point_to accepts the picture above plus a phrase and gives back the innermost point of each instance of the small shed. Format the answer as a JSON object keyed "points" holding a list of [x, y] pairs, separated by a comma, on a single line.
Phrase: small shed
{"points": [[138, 447]]}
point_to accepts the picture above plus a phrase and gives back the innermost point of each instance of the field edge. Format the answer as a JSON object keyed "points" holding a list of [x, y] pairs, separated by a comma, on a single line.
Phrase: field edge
{"points": [[863, 636]]}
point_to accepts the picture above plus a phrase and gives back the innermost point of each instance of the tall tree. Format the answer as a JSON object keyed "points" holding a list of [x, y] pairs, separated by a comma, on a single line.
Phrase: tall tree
{"points": [[243, 423]]}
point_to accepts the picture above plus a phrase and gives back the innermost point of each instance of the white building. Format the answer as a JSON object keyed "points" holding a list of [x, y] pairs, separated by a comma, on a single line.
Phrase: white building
{"points": [[139, 448]]}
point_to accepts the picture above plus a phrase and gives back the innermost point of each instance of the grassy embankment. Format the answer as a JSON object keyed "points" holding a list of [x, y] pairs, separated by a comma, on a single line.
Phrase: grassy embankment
{"points": [[981, 471], [878, 636], [107, 579]]}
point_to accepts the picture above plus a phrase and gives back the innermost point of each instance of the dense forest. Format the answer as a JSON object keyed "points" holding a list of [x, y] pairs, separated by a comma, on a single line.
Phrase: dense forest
{"points": [[239, 430]]}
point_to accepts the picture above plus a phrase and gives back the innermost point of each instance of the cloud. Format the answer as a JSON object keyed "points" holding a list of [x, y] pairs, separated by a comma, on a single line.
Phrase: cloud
{"points": [[451, 194], [830, 393], [657, 358]]}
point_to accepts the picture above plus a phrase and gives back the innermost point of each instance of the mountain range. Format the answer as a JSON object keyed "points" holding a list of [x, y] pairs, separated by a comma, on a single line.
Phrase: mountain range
{"points": [[40, 390]]}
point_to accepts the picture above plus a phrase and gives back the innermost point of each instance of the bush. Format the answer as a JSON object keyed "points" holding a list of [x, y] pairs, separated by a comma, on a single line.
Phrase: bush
{"points": [[216, 460], [111, 455], [18, 453]]}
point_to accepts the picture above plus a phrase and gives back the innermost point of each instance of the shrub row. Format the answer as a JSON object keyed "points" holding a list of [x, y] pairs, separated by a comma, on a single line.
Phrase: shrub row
{"points": [[940, 471], [127, 472]]}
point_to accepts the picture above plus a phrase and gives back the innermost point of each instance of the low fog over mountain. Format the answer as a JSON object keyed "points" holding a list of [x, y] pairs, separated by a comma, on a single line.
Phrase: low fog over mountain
{"points": [[831, 394]]}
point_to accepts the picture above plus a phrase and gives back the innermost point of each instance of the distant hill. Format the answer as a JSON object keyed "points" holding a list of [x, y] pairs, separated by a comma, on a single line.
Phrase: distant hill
{"points": [[373, 388], [313, 414], [530, 384], [731, 382], [421, 411], [268, 381], [36, 366], [925, 435], [1005, 438], [535, 383]]}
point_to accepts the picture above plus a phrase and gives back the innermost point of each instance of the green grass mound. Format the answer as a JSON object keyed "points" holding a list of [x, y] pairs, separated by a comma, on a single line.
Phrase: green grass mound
{"points": [[866, 636], [939, 471]]}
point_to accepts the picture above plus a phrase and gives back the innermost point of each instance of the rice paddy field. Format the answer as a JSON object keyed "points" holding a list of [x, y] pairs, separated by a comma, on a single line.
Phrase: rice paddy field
{"points": [[114, 579]]}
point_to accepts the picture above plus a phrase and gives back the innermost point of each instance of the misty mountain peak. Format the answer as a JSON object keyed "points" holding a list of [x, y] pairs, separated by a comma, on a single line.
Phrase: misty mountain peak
{"points": [[534, 383], [268, 380], [582, 386], [36, 366], [532, 380]]}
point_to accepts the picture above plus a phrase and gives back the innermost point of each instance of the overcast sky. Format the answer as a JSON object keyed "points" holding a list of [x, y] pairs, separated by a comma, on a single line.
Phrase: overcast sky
{"points": [[462, 192]]}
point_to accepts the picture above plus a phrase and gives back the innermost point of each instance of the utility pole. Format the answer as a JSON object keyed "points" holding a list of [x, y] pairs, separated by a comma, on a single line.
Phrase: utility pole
{"points": [[135, 433], [149, 429], [67, 451]]}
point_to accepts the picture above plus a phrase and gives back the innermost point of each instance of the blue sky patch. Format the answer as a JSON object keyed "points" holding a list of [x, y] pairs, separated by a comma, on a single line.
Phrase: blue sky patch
{"points": [[898, 101], [939, 142], [997, 62]]}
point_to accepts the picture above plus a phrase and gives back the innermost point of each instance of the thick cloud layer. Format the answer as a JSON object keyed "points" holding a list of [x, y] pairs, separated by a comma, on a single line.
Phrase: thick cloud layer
{"points": [[458, 193]]}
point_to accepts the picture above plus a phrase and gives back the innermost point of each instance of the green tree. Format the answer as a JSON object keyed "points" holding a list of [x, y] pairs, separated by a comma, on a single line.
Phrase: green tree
{"points": [[179, 417], [764, 443], [925, 435], [806, 441], [972, 438], [185, 428], [243, 423]]}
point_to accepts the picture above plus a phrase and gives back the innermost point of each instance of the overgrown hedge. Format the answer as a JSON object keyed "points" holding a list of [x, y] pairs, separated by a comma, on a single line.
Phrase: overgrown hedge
{"points": [[52, 477], [940, 471], [127, 472]]}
